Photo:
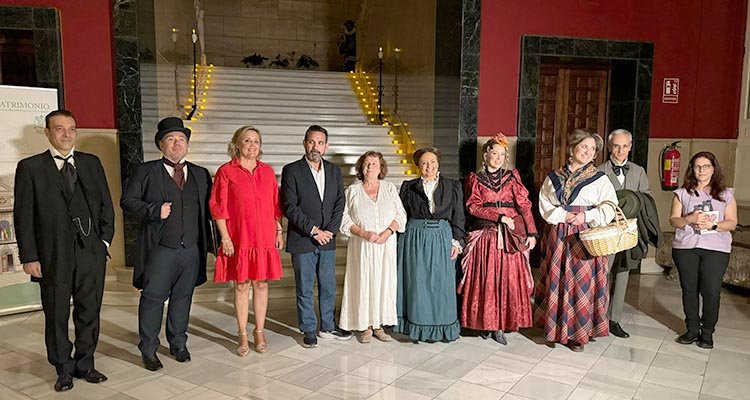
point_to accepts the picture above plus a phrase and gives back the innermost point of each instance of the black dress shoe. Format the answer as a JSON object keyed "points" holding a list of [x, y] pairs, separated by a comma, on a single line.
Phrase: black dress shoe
{"points": [[616, 329], [152, 363], [64, 382], [91, 376], [706, 341], [181, 355], [688, 338]]}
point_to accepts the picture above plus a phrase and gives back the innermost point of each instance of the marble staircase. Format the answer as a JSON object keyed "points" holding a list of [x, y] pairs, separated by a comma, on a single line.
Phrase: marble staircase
{"points": [[282, 104]]}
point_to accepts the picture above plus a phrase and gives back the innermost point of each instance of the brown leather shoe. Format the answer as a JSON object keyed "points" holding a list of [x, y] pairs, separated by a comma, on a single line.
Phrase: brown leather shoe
{"points": [[575, 346]]}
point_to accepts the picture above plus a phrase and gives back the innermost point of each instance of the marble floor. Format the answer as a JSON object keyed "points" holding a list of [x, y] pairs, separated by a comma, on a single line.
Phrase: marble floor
{"points": [[648, 365]]}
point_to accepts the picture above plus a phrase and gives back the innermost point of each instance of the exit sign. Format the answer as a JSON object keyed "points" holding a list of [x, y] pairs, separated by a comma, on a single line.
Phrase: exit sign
{"points": [[670, 91]]}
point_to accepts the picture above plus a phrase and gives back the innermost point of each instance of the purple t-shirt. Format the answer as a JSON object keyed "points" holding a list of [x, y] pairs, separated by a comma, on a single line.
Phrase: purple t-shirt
{"points": [[687, 237]]}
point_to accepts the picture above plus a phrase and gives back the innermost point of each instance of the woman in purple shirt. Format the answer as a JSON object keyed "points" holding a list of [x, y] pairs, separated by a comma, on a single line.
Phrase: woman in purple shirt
{"points": [[704, 212]]}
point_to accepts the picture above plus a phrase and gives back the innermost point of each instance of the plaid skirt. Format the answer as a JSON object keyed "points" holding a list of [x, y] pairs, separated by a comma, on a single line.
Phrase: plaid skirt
{"points": [[572, 295]]}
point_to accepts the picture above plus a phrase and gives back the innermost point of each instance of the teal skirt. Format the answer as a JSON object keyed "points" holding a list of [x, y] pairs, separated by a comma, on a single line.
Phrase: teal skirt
{"points": [[426, 296]]}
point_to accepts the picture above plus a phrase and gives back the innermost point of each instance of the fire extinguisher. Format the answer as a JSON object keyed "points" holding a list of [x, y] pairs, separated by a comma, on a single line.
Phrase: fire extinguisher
{"points": [[670, 167]]}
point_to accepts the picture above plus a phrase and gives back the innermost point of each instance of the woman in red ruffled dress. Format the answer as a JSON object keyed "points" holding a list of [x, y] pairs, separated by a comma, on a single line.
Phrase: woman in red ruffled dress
{"points": [[497, 283], [245, 204]]}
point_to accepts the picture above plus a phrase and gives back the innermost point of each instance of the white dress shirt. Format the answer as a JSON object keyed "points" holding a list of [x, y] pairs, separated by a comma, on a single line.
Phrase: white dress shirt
{"points": [[59, 162], [319, 176], [621, 177]]}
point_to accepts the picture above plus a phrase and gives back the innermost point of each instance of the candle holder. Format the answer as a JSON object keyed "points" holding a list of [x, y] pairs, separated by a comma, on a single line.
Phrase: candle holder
{"points": [[194, 37], [397, 51], [380, 85]]}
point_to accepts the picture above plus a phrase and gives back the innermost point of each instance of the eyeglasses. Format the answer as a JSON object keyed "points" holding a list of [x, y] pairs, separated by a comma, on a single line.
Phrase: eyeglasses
{"points": [[701, 168]]}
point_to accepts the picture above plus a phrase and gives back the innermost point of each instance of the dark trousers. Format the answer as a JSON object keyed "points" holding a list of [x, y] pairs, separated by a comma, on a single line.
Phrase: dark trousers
{"points": [[701, 272], [86, 285], [308, 266], [169, 274]]}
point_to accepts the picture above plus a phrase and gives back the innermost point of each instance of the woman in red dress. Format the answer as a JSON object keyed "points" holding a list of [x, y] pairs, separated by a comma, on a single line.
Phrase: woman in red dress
{"points": [[245, 204], [497, 283]]}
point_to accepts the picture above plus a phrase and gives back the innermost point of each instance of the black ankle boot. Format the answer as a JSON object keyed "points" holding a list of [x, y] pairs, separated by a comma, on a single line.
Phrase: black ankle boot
{"points": [[688, 337], [706, 341]]}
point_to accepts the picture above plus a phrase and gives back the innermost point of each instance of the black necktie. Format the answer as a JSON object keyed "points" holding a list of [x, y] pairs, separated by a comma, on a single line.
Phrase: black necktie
{"points": [[620, 169], [179, 173], [68, 172]]}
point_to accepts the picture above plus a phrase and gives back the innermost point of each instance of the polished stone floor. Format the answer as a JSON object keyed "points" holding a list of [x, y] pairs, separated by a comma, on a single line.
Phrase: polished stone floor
{"points": [[648, 365]]}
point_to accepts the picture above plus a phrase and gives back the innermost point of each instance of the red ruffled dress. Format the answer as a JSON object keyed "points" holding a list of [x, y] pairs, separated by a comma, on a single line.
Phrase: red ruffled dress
{"points": [[249, 201], [497, 285]]}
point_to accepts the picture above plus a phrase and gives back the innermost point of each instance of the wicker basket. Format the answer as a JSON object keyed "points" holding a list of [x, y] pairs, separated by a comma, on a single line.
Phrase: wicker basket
{"points": [[621, 234]]}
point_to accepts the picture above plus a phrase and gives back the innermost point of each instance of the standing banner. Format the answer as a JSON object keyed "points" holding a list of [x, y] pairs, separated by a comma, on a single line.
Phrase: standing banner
{"points": [[22, 111]]}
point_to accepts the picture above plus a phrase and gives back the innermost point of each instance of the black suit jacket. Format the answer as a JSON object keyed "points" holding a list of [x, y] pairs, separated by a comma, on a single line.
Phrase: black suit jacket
{"points": [[143, 194], [301, 205], [44, 228]]}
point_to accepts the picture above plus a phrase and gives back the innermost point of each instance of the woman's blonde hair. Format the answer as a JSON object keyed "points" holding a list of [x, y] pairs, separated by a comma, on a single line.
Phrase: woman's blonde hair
{"points": [[233, 149]]}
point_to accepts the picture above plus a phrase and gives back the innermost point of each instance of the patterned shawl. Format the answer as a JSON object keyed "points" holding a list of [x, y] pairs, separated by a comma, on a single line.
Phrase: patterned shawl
{"points": [[568, 183]]}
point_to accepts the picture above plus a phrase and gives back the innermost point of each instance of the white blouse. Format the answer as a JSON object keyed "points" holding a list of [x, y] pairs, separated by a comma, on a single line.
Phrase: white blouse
{"points": [[592, 194]]}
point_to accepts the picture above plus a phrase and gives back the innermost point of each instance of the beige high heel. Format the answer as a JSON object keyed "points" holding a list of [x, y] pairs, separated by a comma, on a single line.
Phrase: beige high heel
{"points": [[242, 350], [259, 339]]}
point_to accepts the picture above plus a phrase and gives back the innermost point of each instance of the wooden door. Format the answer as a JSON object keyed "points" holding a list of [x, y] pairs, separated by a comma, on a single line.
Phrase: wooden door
{"points": [[569, 98]]}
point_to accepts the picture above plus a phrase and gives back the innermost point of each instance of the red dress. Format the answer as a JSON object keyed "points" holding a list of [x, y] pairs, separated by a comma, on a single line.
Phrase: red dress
{"points": [[249, 202], [496, 286]]}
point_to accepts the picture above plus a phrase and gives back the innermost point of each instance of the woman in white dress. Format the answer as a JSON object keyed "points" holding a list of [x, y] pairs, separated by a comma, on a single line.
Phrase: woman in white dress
{"points": [[373, 213]]}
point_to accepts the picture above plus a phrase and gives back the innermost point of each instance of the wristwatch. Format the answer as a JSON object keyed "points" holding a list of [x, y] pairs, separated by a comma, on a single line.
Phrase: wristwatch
{"points": [[713, 228]]}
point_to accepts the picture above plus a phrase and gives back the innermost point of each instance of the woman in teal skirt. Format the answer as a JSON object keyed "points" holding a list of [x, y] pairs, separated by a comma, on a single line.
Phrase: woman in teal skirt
{"points": [[427, 252]]}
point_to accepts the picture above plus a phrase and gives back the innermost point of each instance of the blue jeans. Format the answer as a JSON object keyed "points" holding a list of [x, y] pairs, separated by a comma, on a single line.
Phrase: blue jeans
{"points": [[306, 267]]}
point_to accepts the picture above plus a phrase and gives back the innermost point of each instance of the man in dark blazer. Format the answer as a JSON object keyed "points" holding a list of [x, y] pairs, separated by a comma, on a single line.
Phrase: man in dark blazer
{"points": [[312, 199], [170, 196], [64, 223], [623, 174]]}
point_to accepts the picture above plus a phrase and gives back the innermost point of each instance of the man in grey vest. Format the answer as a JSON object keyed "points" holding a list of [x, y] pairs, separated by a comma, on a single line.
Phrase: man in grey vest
{"points": [[624, 175], [170, 197]]}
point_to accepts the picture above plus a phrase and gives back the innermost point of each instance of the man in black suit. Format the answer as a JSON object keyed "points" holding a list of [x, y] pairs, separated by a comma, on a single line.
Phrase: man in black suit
{"points": [[170, 196], [312, 198], [64, 223]]}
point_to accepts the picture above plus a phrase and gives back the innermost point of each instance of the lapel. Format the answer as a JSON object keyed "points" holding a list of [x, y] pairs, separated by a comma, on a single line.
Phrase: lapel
{"points": [[50, 168], [159, 173], [629, 176], [439, 193], [328, 188]]}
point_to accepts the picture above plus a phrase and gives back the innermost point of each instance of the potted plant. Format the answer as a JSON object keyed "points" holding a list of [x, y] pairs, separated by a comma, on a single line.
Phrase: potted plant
{"points": [[255, 60], [307, 62]]}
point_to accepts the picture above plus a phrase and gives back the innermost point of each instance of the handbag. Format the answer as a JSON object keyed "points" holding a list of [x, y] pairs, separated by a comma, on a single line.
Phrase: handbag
{"points": [[515, 239]]}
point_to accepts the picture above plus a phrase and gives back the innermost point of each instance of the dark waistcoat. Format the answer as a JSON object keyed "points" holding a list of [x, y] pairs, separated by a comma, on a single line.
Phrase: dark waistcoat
{"points": [[182, 226]]}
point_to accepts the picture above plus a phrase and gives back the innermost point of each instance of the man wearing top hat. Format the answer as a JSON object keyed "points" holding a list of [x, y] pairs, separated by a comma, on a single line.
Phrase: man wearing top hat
{"points": [[170, 196], [64, 223], [623, 174]]}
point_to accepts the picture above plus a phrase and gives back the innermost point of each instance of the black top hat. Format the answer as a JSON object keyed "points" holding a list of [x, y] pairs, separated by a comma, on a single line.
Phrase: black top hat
{"points": [[170, 124]]}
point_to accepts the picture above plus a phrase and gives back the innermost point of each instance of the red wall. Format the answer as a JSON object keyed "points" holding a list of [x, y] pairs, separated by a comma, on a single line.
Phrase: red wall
{"points": [[87, 57], [698, 41]]}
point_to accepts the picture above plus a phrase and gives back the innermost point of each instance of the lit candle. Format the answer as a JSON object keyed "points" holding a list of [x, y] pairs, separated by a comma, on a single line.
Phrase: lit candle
{"points": [[174, 35], [194, 36], [397, 51], [380, 53]]}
